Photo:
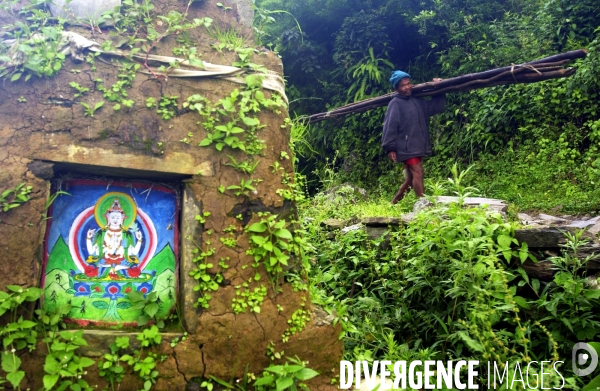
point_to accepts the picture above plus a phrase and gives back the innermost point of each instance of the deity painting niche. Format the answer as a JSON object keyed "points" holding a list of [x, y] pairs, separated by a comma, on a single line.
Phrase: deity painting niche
{"points": [[105, 240]]}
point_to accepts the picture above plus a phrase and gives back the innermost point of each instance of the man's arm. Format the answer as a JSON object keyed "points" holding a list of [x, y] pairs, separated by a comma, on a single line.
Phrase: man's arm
{"points": [[390, 130]]}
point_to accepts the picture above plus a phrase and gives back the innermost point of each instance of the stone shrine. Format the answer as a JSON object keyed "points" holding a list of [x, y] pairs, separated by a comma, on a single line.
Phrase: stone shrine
{"points": [[160, 168]]}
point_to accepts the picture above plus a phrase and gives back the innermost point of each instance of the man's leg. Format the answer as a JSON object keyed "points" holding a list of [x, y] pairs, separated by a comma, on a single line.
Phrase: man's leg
{"points": [[408, 181], [416, 170]]}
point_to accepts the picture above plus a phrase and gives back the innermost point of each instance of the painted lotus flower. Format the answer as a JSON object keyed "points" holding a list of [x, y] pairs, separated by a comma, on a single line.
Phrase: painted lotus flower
{"points": [[134, 272], [113, 291], [145, 288], [81, 289], [91, 271]]}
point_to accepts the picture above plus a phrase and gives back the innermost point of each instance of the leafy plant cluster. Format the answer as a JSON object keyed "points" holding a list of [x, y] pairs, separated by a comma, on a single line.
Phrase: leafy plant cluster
{"points": [[138, 28], [232, 123], [234, 116], [63, 368], [12, 198], [272, 245], [289, 376], [450, 286], [23, 330], [207, 282], [297, 322], [32, 46]]}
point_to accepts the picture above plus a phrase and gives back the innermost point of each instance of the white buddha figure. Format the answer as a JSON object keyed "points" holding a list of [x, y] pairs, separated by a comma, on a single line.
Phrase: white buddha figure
{"points": [[113, 246]]}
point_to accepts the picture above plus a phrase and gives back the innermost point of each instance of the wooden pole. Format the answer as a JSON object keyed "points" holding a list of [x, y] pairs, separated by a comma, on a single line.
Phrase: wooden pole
{"points": [[530, 72]]}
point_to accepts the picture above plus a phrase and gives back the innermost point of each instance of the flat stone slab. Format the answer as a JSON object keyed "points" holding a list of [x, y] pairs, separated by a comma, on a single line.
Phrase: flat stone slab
{"points": [[584, 223], [408, 217], [551, 218], [333, 224], [82, 9], [492, 203], [525, 218], [380, 221], [352, 228]]}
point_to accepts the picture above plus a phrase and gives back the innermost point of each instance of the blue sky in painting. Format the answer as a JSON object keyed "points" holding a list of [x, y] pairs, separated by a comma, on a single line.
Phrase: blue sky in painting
{"points": [[160, 206]]}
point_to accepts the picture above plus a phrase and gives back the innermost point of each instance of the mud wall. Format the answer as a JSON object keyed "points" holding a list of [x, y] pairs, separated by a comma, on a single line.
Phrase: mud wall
{"points": [[46, 133]]}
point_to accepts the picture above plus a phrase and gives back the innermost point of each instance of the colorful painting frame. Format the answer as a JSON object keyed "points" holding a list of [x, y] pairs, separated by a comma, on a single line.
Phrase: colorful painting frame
{"points": [[105, 239]]}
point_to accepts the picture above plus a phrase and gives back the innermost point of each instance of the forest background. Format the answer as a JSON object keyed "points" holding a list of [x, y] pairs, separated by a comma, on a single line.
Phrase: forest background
{"points": [[450, 285], [534, 145]]}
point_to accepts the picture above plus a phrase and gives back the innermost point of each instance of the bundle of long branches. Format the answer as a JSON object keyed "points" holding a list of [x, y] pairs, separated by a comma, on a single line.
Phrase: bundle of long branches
{"points": [[530, 72]]}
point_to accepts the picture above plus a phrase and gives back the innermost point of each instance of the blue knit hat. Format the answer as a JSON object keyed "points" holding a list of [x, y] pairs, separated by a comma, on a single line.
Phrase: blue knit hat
{"points": [[397, 76]]}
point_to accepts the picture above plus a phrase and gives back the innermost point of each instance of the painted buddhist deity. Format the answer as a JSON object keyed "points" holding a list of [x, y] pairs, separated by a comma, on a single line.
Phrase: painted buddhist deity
{"points": [[103, 243], [114, 246]]}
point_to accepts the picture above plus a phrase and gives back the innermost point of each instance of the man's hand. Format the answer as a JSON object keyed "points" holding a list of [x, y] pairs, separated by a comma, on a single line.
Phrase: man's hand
{"points": [[392, 156], [437, 79]]}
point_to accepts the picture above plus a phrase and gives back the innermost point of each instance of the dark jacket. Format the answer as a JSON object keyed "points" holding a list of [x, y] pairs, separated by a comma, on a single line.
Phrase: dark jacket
{"points": [[406, 125]]}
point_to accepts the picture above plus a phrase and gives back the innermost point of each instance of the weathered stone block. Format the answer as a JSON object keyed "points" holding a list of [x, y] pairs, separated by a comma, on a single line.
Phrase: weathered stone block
{"points": [[547, 237], [380, 221]]}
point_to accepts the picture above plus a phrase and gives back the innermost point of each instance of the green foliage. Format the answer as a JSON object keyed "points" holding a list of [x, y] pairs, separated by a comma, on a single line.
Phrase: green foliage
{"points": [[167, 107], [568, 304], [272, 244], [551, 124], [151, 102], [63, 368], [205, 274], [89, 111], [118, 91], [62, 364], [244, 188], [230, 39], [288, 376], [264, 17], [272, 353], [147, 305], [144, 364], [18, 333], [449, 286], [110, 367], [297, 322], [80, 90], [244, 166], [248, 298], [208, 279], [137, 27], [12, 198], [368, 75], [233, 117], [32, 48]]}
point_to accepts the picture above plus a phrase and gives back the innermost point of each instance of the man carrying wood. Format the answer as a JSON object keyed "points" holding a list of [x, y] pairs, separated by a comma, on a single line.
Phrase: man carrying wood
{"points": [[406, 131]]}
